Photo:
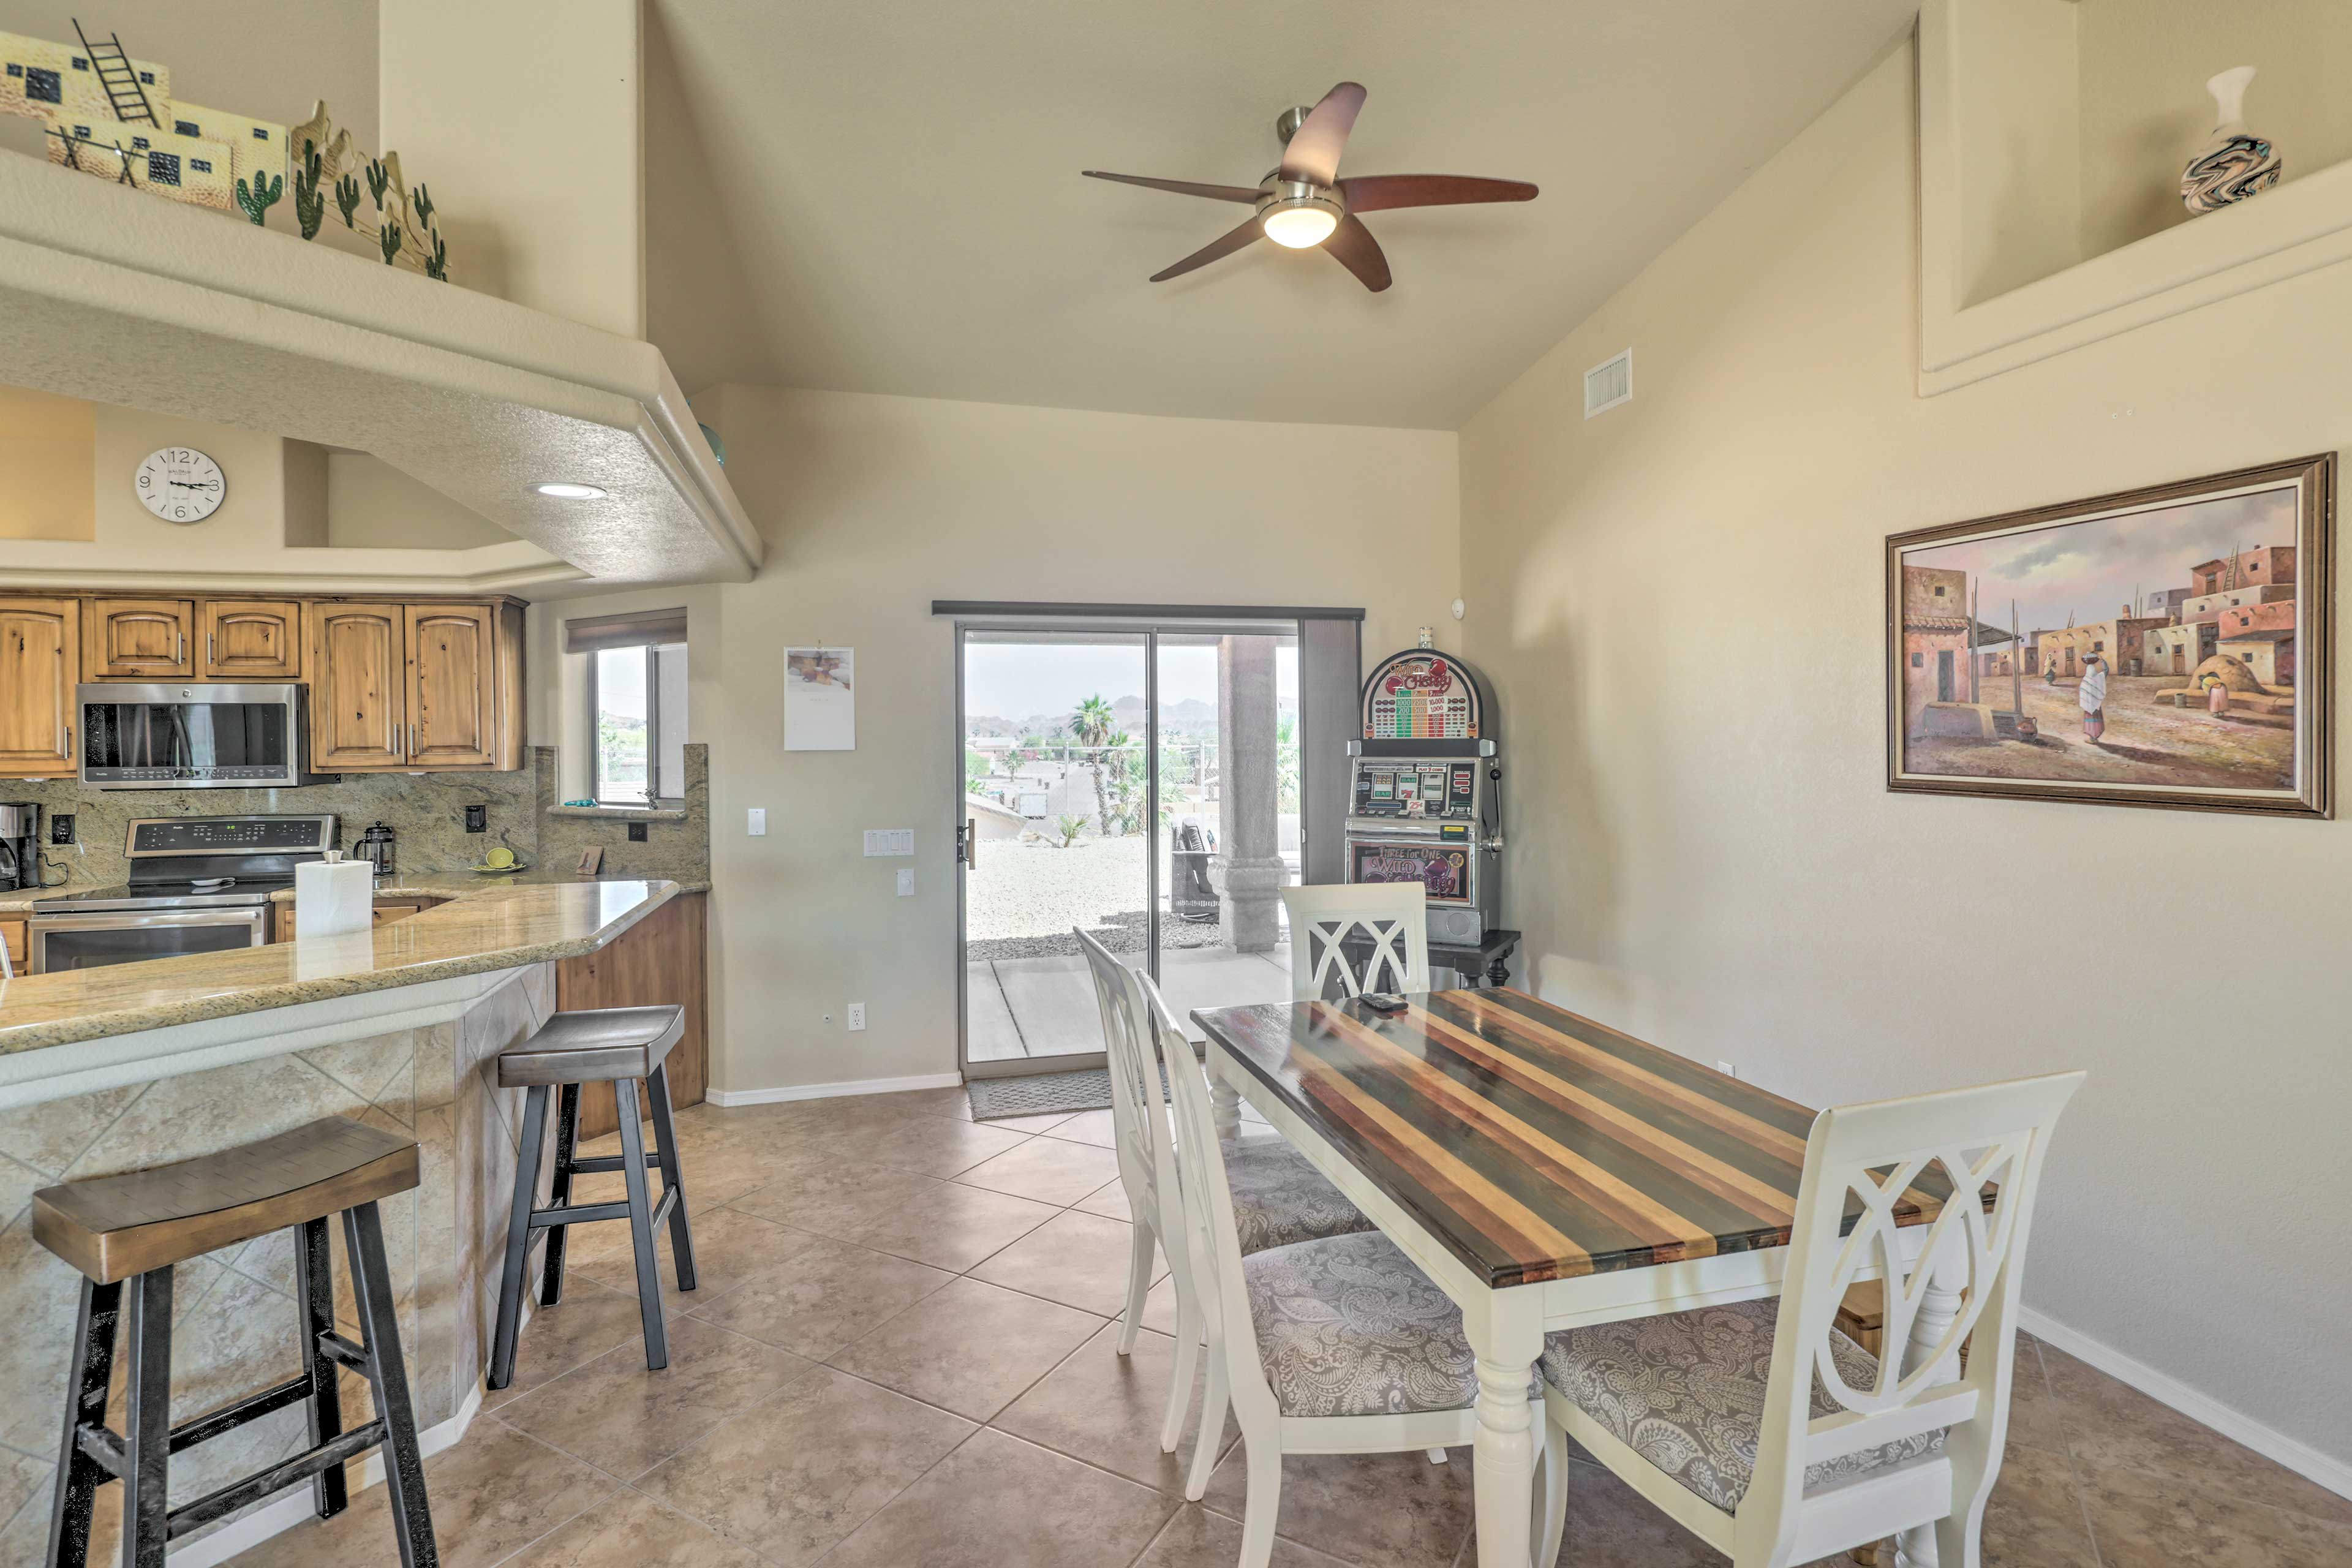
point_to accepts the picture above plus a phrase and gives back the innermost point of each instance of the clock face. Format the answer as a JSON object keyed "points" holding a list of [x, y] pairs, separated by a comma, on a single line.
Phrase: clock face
{"points": [[180, 484]]}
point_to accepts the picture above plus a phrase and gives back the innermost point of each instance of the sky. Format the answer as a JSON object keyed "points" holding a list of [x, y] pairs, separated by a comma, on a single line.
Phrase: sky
{"points": [[2091, 570], [1018, 680]]}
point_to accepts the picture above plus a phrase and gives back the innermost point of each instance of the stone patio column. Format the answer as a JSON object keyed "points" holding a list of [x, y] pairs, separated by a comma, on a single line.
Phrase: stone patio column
{"points": [[1249, 858]]}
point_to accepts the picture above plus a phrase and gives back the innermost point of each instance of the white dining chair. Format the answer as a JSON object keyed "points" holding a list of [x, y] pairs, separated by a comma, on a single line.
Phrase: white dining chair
{"points": [[1337, 1346], [1283, 1198], [1700, 1411], [1392, 917]]}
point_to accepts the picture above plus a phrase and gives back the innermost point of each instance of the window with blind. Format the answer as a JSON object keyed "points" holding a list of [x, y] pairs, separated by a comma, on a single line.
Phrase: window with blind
{"points": [[636, 705]]}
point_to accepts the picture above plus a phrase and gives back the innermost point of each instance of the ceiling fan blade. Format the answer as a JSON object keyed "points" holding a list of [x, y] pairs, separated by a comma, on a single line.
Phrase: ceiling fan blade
{"points": [[1181, 187], [1313, 155], [1353, 244], [1216, 250], [1381, 192]]}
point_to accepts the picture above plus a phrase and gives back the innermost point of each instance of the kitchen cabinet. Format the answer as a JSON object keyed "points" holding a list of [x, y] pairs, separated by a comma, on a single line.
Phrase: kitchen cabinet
{"points": [[659, 960], [420, 685], [250, 640], [386, 912], [12, 937], [40, 660], [359, 686], [138, 639]]}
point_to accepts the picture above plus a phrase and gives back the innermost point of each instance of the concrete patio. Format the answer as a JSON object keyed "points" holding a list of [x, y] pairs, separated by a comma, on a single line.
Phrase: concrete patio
{"points": [[1030, 1007]]}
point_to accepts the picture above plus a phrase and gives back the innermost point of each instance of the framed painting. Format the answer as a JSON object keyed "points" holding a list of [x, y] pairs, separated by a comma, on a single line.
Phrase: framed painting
{"points": [[2168, 646]]}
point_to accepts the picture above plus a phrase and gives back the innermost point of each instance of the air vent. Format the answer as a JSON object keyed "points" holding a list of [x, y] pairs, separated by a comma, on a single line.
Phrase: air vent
{"points": [[1609, 383]]}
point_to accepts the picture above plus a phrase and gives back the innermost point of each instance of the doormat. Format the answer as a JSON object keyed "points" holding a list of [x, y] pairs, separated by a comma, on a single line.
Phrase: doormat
{"points": [[995, 1099]]}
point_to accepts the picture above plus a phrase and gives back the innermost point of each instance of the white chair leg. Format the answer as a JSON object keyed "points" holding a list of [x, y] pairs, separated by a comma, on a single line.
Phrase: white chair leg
{"points": [[1138, 1285], [1264, 1504], [1959, 1540], [1436, 1456], [1551, 1494], [1215, 1403], [1179, 1376]]}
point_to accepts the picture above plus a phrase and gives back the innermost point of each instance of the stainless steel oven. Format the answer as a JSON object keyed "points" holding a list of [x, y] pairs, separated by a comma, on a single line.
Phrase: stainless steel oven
{"points": [[92, 939], [193, 735]]}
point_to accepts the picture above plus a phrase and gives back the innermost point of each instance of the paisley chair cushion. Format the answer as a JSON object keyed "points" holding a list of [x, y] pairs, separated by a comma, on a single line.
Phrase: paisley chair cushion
{"points": [[1280, 1199], [1348, 1326], [1686, 1391]]}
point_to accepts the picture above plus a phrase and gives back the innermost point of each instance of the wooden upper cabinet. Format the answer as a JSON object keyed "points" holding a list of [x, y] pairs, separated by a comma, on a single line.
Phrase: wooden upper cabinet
{"points": [[40, 660], [355, 661], [465, 686], [250, 640], [131, 639]]}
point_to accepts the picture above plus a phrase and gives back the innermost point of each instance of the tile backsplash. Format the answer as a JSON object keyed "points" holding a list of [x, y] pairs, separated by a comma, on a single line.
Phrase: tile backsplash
{"points": [[426, 813]]}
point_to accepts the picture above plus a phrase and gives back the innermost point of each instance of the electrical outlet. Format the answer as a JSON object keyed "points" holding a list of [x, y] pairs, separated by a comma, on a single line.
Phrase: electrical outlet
{"points": [[1728, 1070], [61, 828], [907, 883], [756, 824], [856, 1017], [477, 819], [637, 832]]}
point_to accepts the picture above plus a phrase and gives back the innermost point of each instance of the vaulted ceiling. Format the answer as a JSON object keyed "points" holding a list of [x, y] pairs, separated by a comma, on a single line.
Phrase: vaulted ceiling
{"points": [[887, 197]]}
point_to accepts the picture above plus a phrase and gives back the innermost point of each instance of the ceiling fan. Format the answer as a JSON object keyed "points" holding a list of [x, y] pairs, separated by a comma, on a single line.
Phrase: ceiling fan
{"points": [[1305, 203]]}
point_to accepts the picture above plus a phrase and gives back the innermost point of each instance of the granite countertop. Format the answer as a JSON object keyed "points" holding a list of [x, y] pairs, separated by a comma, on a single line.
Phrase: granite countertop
{"points": [[481, 929], [399, 885]]}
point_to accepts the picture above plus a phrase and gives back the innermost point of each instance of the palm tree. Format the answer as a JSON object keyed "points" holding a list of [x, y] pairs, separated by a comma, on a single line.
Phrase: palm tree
{"points": [[1095, 727]]}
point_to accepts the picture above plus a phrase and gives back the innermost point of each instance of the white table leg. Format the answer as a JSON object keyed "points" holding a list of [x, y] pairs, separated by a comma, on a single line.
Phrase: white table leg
{"points": [[1939, 1305], [1225, 1100], [1502, 1453]]}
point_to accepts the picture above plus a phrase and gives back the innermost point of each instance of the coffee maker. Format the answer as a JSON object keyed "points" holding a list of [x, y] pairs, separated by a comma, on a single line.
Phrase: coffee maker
{"points": [[20, 846]]}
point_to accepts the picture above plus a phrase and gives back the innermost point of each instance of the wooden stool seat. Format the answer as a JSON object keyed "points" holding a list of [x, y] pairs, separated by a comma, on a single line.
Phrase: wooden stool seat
{"points": [[113, 1228], [596, 1046]]}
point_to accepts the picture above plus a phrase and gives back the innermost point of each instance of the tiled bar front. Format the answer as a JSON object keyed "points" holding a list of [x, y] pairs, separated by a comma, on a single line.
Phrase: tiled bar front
{"points": [[234, 1329]]}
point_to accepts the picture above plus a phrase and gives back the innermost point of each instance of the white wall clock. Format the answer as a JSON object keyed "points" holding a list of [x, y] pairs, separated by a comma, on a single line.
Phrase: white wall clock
{"points": [[180, 484]]}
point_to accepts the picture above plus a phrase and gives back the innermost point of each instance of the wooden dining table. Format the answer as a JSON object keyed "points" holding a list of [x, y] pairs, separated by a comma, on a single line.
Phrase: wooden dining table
{"points": [[1546, 1171]]}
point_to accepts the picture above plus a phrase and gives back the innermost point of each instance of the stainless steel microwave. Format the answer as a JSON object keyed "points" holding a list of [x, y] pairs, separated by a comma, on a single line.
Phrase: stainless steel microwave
{"points": [[193, 735]]}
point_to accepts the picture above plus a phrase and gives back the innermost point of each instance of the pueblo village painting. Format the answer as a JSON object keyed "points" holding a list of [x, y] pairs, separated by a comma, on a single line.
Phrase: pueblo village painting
{"points": [[2167, 647]]}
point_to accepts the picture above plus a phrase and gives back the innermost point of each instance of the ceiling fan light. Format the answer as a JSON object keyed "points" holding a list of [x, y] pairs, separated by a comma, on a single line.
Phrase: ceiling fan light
{"points": [[1301, 227]]}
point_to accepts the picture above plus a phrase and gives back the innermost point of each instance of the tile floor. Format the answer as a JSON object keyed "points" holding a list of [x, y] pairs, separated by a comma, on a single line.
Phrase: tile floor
{"points": [[901, 1354]]}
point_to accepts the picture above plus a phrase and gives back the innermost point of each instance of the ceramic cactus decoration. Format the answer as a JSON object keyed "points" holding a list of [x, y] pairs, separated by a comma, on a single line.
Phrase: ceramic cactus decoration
{"points": [[2234, 163], [310, 202], [260, 195], [402, 226]]}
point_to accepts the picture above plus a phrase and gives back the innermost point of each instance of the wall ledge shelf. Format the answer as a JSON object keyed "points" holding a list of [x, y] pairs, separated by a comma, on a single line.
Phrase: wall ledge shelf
{"points": [[121, 298], [2292, 229]]}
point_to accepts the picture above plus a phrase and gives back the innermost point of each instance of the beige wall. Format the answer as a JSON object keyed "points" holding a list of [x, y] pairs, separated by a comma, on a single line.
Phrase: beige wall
{"points": [[48, 460], [1704, 851], [872, 508], [2144, 108], [370, 504], [527, 124]]}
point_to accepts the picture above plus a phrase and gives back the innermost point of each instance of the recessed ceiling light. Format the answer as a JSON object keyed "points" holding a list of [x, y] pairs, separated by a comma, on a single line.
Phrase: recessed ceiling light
{"points": [[566, 491]]}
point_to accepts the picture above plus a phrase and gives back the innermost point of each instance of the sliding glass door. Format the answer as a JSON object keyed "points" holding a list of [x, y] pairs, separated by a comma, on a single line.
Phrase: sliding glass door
{"points": [[1138, 780]]}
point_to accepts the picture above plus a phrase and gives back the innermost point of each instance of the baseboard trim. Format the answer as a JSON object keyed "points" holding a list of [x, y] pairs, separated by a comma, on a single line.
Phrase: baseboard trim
{"points": [[293, 1505], [831, 1091], [2297, 1456]]}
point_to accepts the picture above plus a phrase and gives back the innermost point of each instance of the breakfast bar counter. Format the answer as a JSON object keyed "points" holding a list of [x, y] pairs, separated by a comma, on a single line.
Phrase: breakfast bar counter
{"points": [[137, 1065]]}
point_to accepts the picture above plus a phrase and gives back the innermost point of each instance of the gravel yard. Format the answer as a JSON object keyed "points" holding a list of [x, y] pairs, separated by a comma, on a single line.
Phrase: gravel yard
{"points": [[1024, 898]]}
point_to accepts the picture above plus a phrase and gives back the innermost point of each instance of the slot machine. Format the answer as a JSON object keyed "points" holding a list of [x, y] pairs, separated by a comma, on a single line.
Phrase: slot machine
{"points": [[1424, 792]]}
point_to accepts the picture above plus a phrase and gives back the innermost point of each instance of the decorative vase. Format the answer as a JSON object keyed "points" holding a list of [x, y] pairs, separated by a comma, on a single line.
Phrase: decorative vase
{"points": [[2234, 163]]}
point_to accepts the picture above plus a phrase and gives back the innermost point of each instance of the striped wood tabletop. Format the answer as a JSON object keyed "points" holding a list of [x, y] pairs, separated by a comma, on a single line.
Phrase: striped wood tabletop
{"points": [[1531, 1143]]}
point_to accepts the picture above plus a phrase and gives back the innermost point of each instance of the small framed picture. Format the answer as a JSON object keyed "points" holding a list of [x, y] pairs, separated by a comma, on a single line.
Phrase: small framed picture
{"points": [[2166, 646], [592, 859]]}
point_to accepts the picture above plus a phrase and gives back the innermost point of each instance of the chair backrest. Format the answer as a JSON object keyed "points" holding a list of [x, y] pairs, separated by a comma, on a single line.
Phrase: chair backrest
{"points": [[1393, 917], [1211, 1239], [1973, 1158], [1140, 1131]]}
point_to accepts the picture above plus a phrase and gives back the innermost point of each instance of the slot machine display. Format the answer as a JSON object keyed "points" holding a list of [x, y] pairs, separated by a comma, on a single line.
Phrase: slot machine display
{"points": [[1424, 796]]}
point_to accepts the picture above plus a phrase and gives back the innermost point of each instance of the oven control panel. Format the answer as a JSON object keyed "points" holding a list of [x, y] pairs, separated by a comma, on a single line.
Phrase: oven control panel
{"points": [[1398, 787], [232, 835]]}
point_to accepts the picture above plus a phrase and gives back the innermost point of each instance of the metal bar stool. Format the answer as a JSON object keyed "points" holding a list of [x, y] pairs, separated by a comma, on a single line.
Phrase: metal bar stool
{"points": [[605, 1045], [132, 1229]]}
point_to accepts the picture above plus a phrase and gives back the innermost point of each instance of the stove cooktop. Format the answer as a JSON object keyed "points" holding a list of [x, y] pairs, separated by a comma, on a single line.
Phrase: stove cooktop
{"points": [[236, 893]]}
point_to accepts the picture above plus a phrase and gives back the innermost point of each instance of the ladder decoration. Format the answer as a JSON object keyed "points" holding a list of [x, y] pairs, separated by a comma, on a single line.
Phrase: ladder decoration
{"points": [[114, 117]]}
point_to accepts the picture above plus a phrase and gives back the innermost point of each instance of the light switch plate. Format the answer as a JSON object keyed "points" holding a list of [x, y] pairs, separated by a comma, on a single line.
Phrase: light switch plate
{"points": [[907, 883], [756, 823], [889, 841]]}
